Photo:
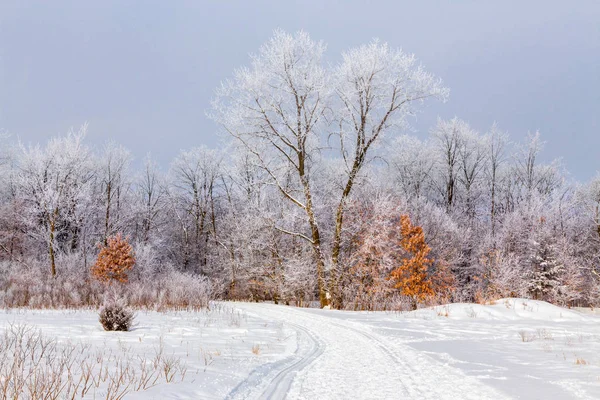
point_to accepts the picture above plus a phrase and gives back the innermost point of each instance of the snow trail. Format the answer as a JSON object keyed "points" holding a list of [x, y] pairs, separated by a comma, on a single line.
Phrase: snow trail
{"points": [[273, 380], [351, 361]]}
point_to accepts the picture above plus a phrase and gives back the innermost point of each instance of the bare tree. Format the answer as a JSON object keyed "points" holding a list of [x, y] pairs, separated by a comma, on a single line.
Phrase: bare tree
{"points": [[55, 183], [449, 137], [496, 142], [195, 176], [376, 89], [273, 110], [113, 171]]}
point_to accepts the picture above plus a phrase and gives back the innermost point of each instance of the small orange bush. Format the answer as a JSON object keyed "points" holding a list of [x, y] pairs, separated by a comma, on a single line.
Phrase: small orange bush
{"points": [[114, 260]]}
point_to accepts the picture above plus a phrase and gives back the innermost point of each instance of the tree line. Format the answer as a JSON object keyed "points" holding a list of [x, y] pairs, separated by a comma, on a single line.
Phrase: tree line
{"points": [[318, 194]]}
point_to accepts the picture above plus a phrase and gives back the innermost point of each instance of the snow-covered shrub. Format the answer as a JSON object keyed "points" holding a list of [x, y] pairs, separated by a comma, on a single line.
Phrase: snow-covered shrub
{"points": [[32, 286], [115, 317], [299, 282], [147, 262], [182, 290], [170, 289]]}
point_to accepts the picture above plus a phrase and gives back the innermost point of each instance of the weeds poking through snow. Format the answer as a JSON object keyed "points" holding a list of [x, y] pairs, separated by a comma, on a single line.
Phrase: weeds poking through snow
{"points": [[443, 311], [527, 336], [544, 334], [471, 313], [34, 367]]}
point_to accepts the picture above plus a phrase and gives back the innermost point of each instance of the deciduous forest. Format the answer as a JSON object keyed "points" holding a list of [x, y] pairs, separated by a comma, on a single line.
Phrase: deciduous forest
{"points": [[319, 193]]}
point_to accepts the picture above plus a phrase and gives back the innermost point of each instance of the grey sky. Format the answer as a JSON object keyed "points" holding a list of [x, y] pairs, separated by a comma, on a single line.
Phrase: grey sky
{"points": [[142, 73]]}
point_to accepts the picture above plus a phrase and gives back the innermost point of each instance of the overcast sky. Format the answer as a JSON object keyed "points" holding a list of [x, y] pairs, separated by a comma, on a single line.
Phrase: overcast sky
{"points": [[143, 73]]}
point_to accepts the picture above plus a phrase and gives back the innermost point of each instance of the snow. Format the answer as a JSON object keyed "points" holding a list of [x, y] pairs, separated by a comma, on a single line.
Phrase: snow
{"points": [[216, 346], [501, 310], [512, 348]]}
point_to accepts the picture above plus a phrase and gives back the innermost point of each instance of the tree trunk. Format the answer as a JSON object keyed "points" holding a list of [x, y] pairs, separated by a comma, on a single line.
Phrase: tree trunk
{"points": [[316, 245], [107, 217], [493, 208], [337, 237], [51, 250], [597, 219]]}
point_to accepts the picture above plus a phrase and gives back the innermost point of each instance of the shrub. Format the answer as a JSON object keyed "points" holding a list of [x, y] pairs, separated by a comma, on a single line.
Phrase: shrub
{"points": [[115, 317], [114, 261], [32, 286]]}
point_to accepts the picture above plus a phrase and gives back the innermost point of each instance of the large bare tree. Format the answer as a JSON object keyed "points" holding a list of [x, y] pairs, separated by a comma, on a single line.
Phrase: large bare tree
{"points": [[280, 108], [274, 109], [376, 89]]}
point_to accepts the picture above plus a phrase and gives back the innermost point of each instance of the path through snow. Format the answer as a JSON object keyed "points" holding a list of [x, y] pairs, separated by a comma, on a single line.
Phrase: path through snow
{"points": [[340, 359], [514, 348]]}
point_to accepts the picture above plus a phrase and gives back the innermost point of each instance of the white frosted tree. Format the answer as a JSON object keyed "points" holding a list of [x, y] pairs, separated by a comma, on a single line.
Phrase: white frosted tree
{"points": [[532, 176], [150, 194], [496, 143], [273, 110], [195, 175], [412, 164], [12, 230], [114, 186], [55, 185], [284, 106], [376, 89], [449, 140], [472, 158], [543, 276]]}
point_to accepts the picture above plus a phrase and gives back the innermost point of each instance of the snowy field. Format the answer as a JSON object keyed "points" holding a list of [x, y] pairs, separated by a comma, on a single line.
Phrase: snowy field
{"points": [[511, 349]]}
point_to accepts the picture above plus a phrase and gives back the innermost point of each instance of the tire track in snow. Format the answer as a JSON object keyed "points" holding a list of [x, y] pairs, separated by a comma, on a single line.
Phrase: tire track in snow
{"points": [[349, 361], [344, 370], [280, 385], [278, 376], [412, 388]]}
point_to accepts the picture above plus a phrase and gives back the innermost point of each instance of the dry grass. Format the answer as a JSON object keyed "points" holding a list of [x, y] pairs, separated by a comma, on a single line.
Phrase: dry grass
{"points": [[544, 334], [471, 313], [34, 288], [527, 336], [580, 361], [33, 367], [443, 311]]}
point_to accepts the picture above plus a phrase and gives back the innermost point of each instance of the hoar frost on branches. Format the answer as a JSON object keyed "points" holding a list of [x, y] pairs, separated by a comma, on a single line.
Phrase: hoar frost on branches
{"points": [[282, 109], [294, 207], [55, 185]]}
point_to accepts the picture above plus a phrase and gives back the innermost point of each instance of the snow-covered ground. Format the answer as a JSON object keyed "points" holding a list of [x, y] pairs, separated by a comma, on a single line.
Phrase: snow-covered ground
{"points": [[514, 348], [210, 352]]}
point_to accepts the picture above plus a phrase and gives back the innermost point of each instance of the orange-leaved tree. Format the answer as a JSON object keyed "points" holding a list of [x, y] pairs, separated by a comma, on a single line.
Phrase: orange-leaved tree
{"points": [[114, 261], [414, 276]]}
